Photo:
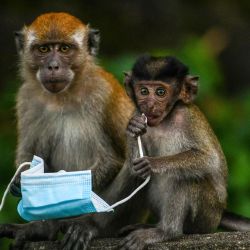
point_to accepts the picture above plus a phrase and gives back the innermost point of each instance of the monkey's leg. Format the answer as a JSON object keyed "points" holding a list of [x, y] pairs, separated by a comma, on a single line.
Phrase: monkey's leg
{"points": [[169, 204], [205, 209]]}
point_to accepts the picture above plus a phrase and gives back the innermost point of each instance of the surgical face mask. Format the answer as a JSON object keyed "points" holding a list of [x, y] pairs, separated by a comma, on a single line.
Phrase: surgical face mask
{"points": [[59, 195]]}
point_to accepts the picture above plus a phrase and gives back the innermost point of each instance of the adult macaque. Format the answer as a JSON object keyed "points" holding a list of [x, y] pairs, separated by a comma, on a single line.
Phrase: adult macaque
{"points": [[70, 111], [187, 191]]}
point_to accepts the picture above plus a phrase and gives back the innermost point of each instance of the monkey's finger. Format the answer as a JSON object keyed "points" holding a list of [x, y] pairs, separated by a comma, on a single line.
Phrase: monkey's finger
{"points": [[123, 245], [138, 124], [142, 170], [130, 244], [75, 235], [139, 119], [134, 129], [66, 237], [15, 190], [139, 160], [130, 134], [145, 175], [134, 246], [80, 243], [141, 127], [124, 242], [86, 239], [141, 165]]}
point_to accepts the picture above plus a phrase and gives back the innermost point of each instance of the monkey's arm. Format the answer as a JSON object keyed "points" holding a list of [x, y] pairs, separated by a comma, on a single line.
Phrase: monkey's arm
{"points": [[114, 125], [24, 154], [110, 167], [25, 151], [26, 124], [104, 171], [192, 163]]}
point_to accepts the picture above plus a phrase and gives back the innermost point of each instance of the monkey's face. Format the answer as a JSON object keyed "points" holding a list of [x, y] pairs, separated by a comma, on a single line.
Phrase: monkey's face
{"points": [[155, 99], [54, 65], [55, 49]]}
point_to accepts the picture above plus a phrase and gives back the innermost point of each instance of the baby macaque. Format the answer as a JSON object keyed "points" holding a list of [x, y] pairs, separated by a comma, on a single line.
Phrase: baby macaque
{"points": [[187, 191]]}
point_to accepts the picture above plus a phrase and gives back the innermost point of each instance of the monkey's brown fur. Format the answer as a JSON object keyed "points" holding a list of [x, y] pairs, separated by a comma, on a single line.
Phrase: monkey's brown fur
{"points": [[80, 128], [78, 125], [187, 191]]}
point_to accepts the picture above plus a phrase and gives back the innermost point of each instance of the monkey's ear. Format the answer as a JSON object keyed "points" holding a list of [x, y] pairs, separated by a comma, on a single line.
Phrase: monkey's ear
{"points": [[93, 41], [19, 39], [189, 89], [128, 84]]}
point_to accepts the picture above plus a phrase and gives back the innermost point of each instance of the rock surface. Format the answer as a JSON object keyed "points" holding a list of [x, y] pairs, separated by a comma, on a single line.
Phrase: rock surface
{"points": [[216, 241]]}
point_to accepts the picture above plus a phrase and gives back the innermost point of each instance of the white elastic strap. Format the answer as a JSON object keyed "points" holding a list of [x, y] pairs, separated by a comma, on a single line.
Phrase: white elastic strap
{"points": [[142, 185], [13, 178]]}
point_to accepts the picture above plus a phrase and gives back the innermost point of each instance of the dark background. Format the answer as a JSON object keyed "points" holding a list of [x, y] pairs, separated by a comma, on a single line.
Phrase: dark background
{"points": [[212, 37]]}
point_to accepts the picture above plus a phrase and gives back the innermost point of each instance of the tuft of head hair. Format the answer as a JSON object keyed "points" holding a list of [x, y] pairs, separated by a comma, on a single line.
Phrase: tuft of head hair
{"points": [[149, 67], [55, 25]]}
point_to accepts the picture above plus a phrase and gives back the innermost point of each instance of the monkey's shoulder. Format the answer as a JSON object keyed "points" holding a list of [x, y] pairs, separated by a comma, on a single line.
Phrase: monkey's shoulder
{"points": [[189, 115]]}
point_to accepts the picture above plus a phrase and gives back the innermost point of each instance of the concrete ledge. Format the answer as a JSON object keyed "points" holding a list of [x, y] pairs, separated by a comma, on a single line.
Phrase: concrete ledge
{"points": [[218, 241]]}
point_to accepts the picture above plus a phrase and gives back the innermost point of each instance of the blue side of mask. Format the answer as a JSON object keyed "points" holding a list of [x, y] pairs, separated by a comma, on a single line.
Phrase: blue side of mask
{"points": [[55, 195]]}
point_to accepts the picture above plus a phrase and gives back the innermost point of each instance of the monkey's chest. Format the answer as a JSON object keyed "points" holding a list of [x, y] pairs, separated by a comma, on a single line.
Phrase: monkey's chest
{"points": [[164, 142], [70, 143]]}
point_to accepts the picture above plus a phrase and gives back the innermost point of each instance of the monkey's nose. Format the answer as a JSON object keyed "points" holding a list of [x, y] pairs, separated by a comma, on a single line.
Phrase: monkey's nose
{"points": [[53, 66], [151, 105]]}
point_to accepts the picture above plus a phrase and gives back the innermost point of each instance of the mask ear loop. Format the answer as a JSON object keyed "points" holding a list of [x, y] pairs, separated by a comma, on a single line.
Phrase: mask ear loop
{"points": [[142, 185], [8, 187], [139, 138]]}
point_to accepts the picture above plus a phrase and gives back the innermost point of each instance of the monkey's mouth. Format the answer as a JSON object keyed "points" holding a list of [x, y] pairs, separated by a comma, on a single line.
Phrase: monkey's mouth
{"points": [[153, 119], [55, 85]]}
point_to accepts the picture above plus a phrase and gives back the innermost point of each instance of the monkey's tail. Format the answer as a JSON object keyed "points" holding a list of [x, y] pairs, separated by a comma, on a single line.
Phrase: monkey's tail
{"points": [[234, 222]]}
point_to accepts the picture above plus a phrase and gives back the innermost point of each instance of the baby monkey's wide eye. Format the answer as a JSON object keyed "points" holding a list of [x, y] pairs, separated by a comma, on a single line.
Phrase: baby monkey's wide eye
{"points": [[43, 49], [144, 91], [160, 91], [64, 48]]}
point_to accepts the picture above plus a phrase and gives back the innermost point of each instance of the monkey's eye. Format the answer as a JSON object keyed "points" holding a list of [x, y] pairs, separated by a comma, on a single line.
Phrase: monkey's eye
{"points": [[64, 48], [144, 91], [43, 49], [160, 91]]}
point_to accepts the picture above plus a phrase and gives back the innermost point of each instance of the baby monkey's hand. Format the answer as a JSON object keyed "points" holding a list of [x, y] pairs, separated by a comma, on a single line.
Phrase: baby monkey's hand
{"points": [[142, 167], [137, 126]]}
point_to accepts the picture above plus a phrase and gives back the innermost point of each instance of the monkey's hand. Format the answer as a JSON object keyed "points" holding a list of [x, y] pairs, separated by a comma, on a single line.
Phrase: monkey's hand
{"points": [[15, 187], [142, 167], [136, 126], [78, 234], [33, 231]]}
